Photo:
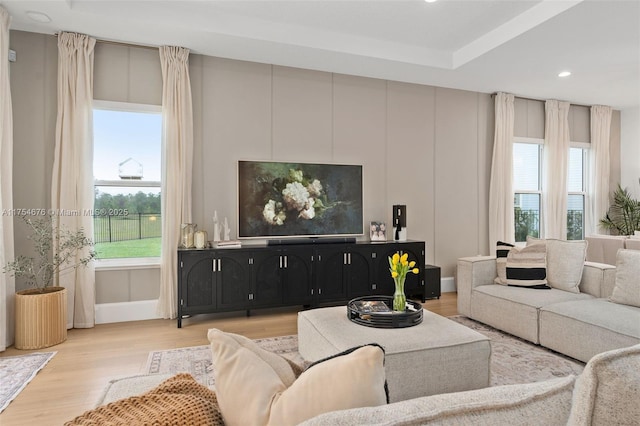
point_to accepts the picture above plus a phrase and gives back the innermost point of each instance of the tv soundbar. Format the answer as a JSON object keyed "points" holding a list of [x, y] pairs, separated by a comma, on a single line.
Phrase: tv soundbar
{"points": [[320, 240]]}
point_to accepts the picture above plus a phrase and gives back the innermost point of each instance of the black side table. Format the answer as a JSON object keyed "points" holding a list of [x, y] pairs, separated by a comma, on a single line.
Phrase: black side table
{"points": [[432, 282]]}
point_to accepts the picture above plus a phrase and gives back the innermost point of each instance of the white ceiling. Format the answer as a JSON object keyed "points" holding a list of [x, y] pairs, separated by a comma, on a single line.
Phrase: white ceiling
{"points": [[480, 45]]}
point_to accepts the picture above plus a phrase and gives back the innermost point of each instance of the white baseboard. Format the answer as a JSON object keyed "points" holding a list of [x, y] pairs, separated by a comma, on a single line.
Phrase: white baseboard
{"points": [[447, 285], [126, 311]]}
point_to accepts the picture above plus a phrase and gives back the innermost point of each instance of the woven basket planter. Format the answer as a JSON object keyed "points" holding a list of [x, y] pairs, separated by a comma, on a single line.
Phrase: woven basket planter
{"points": [[41, 318]]}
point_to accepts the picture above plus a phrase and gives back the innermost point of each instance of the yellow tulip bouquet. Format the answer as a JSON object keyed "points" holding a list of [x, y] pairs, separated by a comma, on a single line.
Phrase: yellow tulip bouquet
{"points": [[399, 266]]}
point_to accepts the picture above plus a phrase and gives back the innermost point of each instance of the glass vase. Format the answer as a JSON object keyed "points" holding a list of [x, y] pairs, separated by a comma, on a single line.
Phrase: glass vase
{"points": [[399, 298]]}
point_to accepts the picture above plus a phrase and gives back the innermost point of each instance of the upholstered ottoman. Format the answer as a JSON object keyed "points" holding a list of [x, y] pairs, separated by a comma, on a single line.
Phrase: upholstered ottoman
{"points": [[433, 357]]}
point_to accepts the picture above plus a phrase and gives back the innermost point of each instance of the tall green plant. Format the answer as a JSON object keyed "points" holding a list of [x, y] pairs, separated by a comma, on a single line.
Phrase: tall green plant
{"points": [[623, 216], [39, 270]]}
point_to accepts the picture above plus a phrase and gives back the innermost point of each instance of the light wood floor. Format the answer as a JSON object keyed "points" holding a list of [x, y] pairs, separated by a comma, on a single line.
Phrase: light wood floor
{"points": [[73, 380]]}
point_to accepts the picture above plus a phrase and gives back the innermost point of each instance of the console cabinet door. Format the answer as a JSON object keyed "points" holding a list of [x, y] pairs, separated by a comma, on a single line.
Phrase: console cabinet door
{"points": [[267, 278], [297, 283], [330, 274], [197, 284], [232, 274], [359, 272]]}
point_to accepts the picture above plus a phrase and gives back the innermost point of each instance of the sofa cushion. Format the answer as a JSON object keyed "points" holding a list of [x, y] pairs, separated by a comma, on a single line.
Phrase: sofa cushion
{"points": [[627, 287], [608, 390], [250, 392], [514, 309], [565, 262], [543, 403], [563, 327]]}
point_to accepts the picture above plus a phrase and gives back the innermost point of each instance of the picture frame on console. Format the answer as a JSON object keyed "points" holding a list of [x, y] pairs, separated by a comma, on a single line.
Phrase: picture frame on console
{"points": [[378, 231]]}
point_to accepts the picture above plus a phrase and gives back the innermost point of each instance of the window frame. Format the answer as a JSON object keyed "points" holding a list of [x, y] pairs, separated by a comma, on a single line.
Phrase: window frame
{"points": [[127, 263], [540, 143], [585, 147]]}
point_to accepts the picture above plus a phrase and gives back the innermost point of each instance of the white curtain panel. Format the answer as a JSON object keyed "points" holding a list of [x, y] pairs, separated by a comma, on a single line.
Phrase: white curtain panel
{"points": [[177, 160], [7, 283], [556, 166], [72, 180], [600, 167], [501, 226]]}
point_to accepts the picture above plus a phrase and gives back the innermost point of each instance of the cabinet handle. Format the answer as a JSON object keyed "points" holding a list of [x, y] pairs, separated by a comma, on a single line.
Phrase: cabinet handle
{"points": [[219, 265], [349, 258], [344, 258], [214, 265], [280, 262], [286, 261], [319, 291]]}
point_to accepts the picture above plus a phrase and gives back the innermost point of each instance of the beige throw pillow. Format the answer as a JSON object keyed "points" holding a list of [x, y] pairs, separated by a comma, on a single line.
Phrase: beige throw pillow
{"points": [[250, 392], [627, 287], [565, 262]]}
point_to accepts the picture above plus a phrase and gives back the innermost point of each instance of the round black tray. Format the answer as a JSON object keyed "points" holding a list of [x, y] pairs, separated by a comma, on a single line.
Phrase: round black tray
{"points": [[377, 311]]}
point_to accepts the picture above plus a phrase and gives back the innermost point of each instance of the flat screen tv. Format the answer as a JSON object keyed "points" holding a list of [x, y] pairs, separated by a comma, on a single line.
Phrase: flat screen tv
{"points": [[280, 200]]}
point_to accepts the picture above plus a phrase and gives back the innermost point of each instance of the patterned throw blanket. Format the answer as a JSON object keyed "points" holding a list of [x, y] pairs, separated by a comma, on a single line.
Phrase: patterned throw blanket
{"points": [[179, 400]]}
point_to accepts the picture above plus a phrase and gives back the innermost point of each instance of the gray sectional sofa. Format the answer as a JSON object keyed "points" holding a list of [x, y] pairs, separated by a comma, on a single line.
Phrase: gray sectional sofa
{"points": [[579, 323]]}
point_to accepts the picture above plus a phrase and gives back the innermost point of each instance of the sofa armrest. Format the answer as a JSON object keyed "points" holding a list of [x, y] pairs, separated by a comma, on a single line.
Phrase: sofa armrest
{"points": [[598, 279], [473, 272], [541, 403]]}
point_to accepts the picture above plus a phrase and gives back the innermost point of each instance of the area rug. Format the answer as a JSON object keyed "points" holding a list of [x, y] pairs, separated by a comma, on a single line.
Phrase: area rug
{"points": [[513, 360], [197, 359], [17, 371]]}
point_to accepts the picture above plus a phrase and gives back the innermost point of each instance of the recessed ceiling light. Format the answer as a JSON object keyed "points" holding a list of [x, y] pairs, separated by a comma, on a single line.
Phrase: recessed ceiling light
{"points": [[564, 74], [430, 1], [38, 16]]}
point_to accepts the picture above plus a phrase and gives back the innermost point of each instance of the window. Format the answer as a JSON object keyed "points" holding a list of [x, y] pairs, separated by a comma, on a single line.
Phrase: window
{"points": [[127, 172], [527, 188], [576, 197]]}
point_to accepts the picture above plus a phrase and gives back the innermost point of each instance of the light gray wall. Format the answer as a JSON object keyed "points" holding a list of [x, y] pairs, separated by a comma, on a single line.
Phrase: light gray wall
{"points": [[427, 147], [395, 130]]}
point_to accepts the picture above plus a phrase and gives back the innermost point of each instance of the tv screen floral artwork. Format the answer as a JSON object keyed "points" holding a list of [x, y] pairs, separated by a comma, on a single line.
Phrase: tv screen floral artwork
{"points": [[298, 199]]}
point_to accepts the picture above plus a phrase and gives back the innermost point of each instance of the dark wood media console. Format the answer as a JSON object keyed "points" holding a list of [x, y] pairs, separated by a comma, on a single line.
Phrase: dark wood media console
{"points": [[268, 276]]}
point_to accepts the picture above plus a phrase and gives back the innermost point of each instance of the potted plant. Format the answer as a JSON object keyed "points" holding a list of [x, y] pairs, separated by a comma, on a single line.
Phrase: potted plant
{"points": [[623, 216], [41, 309]]}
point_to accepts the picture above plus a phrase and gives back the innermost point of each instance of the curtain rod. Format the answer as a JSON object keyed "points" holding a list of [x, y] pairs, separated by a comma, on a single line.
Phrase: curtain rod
{"points": [[542, 100], [121, 43]]}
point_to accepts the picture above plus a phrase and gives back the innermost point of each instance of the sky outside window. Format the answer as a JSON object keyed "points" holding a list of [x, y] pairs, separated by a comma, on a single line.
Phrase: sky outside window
{"points": [[119, 135]]}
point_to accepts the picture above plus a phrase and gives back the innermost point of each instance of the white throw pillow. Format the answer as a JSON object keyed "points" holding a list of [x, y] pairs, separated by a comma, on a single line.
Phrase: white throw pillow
{"points": [[565, 262], [627, 288], [250, 392]]}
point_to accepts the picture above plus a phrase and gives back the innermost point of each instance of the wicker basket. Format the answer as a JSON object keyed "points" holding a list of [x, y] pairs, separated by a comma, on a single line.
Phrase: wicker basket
{"points": [[41, 318]]}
